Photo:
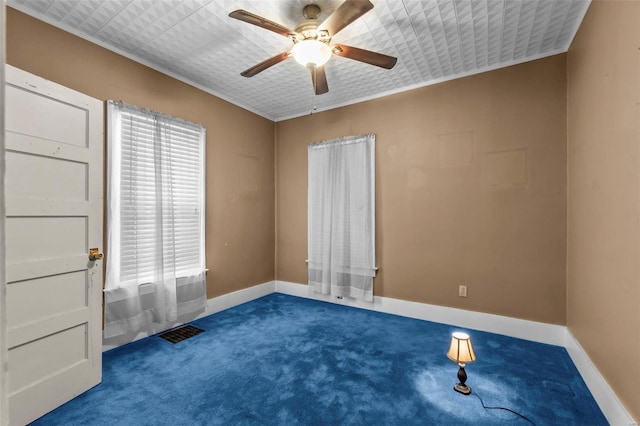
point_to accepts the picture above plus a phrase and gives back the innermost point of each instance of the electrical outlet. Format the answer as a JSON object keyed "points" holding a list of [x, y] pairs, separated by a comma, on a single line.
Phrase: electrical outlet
{"points": [[462, 291]]}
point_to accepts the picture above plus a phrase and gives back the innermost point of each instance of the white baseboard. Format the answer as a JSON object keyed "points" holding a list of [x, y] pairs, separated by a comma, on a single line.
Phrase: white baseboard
{"points": [[609, 403], [552, 334], [229, 300], [531, 330], [558, 335]]}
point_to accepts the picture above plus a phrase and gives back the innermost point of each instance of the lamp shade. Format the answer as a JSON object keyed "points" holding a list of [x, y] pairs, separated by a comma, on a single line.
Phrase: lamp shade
{"points": [[311, 52], [461, 350]]}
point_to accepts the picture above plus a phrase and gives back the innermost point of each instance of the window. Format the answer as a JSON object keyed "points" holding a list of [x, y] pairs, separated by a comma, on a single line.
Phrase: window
{"points": [[341, 233], [155, 221], [169, 178]]}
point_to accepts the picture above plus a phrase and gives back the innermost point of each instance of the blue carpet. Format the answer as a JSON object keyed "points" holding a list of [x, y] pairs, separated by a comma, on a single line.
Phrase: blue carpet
{"points": [[283, 360]]}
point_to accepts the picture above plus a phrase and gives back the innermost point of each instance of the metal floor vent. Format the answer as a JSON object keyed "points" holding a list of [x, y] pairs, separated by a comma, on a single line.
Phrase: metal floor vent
{"points": [[181, 333]]}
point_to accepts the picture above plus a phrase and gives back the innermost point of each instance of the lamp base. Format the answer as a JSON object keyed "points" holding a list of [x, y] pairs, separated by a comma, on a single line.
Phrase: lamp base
{"points": [[463, 389]]}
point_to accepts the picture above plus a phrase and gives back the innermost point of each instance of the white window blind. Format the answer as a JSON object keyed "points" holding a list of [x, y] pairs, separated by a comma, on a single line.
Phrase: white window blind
{"points": [[155, 220], [177, 175]]}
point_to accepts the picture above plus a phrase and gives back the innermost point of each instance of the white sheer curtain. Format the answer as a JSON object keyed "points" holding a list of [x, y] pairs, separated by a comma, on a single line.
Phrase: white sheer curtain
{"points": [[155, 221], [341, 222]]}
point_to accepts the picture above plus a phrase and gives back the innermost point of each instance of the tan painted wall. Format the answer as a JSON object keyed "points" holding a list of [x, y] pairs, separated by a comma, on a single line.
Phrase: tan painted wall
{"points": [[470, 190], [603, 264], [240, 153]]}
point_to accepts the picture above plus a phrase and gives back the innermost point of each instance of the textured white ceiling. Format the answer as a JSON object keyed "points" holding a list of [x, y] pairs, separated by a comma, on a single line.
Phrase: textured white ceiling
{"points": [[434, 40]]}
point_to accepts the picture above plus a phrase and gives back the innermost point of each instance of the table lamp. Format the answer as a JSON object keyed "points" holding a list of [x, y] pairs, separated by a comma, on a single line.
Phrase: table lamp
{"points": [[461, 352]]}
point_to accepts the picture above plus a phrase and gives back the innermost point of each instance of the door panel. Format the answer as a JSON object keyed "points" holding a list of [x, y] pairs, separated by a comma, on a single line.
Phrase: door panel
{"points": [[54, 155], [57, 120], [34, 238], [37, 299], [64, 349], [43, 177]]}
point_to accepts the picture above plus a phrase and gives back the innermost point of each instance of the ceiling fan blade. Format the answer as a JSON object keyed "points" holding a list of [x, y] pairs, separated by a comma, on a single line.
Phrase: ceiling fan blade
{"points": [[319, 80], [366, 56], [265, 64], [259, 21], [345, 14]]}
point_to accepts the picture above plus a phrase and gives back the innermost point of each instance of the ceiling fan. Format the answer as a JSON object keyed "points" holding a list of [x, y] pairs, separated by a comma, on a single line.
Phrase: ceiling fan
{"points": [[311, 39]]}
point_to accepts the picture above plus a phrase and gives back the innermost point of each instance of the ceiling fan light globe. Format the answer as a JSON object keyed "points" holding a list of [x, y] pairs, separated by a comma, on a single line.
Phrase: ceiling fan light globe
{"points": [[312, 52]]}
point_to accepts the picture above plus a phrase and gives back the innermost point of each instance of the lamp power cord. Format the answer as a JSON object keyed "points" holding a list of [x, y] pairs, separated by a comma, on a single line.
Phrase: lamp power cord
{"points": [[504, 409]]}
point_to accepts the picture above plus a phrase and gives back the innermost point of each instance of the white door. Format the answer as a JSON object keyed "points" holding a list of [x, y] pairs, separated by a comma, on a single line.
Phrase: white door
{"points": [[3, 324], [53, 189]]}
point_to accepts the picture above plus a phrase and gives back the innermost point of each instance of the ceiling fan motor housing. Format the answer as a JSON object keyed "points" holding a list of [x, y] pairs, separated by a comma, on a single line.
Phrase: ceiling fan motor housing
{"points": [[311, 11], [308, 28]]}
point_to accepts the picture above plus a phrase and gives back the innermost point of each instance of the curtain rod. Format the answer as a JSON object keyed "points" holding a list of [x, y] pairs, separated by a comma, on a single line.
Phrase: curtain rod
{"points": [[138, 109], [344, 139]]}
